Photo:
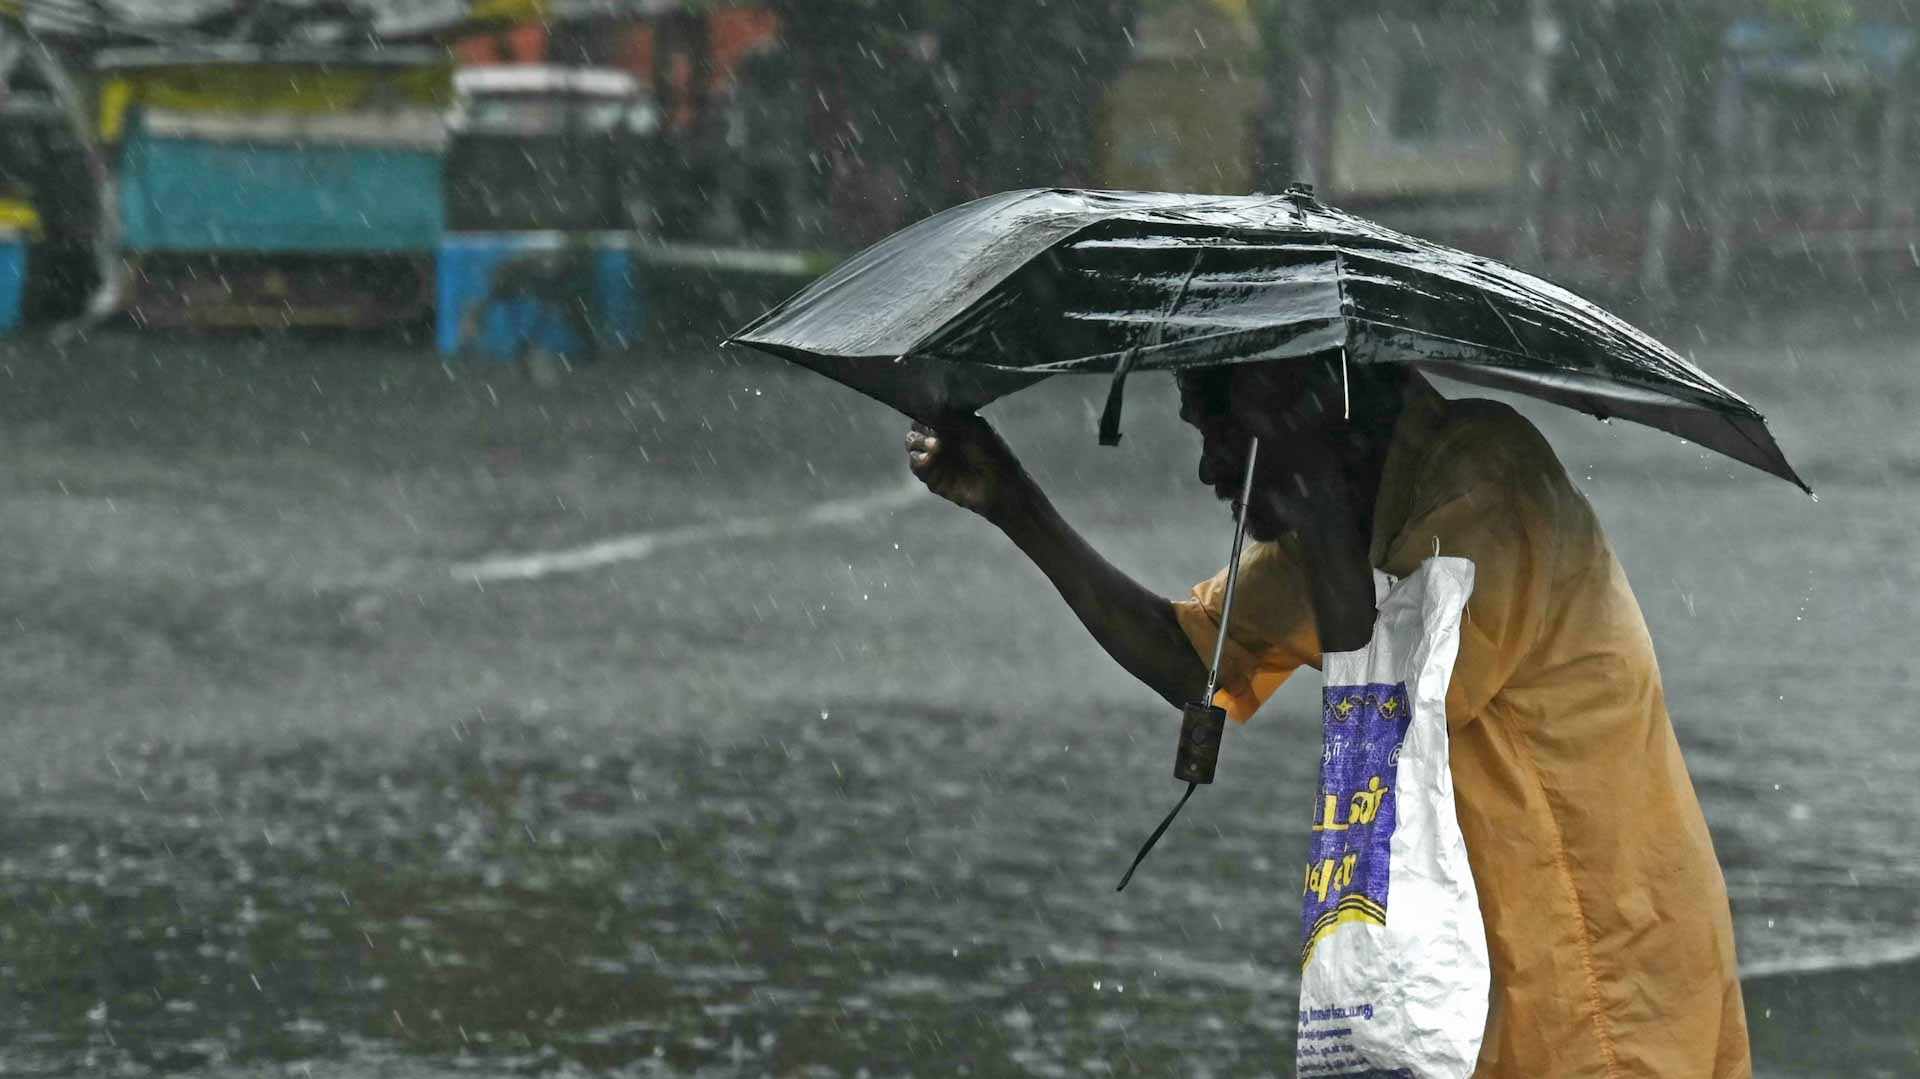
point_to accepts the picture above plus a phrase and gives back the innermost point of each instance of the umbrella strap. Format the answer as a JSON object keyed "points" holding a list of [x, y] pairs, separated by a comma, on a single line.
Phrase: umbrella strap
{"points": [[1110, 416], [1155, 837]]}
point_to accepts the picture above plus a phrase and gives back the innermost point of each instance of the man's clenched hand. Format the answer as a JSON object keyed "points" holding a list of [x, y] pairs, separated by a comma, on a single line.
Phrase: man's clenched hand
{"points": [[967, 463]]}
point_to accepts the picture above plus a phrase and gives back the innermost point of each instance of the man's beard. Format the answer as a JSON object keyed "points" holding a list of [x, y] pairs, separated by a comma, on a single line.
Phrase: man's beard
{"points": [[1261, 527]]}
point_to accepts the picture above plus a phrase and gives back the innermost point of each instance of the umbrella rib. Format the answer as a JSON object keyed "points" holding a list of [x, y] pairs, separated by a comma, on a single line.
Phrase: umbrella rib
{"points": [[1497, 313], [1726, 405], [1090, 361], [1157, 333], [1340, 284], [1179, 297]]}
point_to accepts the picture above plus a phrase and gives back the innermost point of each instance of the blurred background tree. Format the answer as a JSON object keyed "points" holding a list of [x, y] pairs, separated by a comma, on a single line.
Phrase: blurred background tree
{"points": [[1649, 140]]}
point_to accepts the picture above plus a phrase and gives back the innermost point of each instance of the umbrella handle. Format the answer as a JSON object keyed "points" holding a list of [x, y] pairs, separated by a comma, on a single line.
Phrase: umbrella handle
{"points": [[1202, 722]]}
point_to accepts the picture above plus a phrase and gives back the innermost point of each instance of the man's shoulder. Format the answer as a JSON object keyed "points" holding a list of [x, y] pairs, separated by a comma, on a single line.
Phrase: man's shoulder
{"points": [[1490, 453], [1490, 440], [1487, 418]]}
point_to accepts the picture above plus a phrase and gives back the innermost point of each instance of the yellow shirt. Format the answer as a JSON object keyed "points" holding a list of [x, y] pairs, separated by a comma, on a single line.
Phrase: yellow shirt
{"points": [[1606, 913]]}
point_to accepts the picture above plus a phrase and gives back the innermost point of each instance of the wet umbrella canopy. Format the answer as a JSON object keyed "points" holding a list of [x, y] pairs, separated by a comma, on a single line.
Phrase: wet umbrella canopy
{"points": [[983, 299]]}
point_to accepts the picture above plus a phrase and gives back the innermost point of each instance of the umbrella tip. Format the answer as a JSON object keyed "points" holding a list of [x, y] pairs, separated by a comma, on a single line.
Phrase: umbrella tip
{"points": [[1300, 191]]}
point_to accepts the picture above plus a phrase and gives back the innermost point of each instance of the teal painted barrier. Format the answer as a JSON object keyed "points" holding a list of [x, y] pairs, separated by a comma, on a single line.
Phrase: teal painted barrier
{"points": [[188, 194]]}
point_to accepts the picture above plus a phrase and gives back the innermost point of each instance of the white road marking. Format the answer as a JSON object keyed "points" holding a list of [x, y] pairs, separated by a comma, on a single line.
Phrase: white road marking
{"points": [[1858, 956], [638, 545]]}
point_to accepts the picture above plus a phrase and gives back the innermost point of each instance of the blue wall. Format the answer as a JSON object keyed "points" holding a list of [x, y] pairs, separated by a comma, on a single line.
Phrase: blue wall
{"points": [[466, 265]]}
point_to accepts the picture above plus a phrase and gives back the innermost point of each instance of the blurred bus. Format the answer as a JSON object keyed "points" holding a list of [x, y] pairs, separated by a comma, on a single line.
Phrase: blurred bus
{"points": [[269, 187]]}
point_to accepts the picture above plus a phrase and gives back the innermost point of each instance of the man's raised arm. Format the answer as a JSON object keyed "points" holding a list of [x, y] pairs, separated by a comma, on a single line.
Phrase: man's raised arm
{"points": [[968, 464]]}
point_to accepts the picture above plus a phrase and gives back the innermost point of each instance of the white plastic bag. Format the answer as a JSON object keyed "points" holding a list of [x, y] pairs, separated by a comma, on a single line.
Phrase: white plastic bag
{"points": [[1394, 969]]}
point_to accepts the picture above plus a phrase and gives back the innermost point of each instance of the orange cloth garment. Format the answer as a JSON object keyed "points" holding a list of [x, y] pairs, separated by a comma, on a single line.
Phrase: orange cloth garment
{"points": [[1606, 912]]}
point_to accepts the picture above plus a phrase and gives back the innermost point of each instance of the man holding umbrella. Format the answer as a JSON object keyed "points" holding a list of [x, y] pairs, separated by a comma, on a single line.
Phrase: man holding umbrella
{"points": [[1298, 333], [1606, 914]]}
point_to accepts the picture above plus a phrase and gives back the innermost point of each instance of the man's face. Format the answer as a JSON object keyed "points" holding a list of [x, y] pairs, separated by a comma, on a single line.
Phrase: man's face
{"points": [[1205, 403], [1284, 403]]}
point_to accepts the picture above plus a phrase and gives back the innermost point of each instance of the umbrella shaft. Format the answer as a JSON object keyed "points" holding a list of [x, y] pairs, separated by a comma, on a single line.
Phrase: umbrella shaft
{"points": [[1233, 570]]}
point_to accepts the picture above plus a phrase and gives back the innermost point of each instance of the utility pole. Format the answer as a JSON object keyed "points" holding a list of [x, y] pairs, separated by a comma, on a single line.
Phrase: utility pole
{"points": [[1540, 137], [1315, 107], [1275, 122], [1670, 100]]}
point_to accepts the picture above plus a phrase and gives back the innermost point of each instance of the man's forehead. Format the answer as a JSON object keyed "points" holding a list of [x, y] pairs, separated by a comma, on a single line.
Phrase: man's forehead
{"points": [[1202, 381], [1215, 384]]}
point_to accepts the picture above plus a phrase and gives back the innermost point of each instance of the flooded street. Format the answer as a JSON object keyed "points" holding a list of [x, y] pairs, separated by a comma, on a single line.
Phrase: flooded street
{"points": [[370, 716]]}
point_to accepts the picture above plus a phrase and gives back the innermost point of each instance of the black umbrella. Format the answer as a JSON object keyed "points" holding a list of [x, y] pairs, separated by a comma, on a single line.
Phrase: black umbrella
{"points": [[978, 301]]}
